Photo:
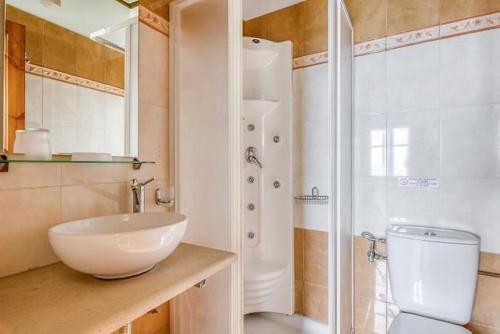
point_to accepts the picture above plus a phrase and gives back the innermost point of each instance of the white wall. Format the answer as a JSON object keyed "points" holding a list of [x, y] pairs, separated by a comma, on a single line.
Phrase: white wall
{"points": [[311, 144], [430, 110], [80, 119]]}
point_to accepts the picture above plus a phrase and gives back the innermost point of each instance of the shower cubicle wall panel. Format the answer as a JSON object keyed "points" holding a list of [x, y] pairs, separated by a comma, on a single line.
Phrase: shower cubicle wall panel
{"points": [[268, 200]]}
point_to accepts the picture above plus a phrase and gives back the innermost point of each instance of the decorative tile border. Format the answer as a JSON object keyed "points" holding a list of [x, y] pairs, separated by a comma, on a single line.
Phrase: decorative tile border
{"points": [[471, 25], [310, 60], [412, 37], [156, 22], [374, 46], [457, 28], [72, 79]]}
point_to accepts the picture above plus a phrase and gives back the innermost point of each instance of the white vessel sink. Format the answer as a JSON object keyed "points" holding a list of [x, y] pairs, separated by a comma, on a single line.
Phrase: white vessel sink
{"points": [[118, 246]]}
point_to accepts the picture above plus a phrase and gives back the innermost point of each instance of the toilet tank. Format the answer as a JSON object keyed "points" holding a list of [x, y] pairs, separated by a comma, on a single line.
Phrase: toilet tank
{"points": [[433, 271]]}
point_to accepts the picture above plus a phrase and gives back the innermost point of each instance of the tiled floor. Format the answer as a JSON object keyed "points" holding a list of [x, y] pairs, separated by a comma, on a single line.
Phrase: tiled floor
{"points": [[266, 323]]}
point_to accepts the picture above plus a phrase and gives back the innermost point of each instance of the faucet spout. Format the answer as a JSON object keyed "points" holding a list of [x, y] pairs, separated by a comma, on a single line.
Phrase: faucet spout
{"points": [[139, 195]]}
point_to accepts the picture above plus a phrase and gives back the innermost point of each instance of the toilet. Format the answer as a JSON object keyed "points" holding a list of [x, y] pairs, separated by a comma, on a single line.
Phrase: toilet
{"points": [[433, 274]]}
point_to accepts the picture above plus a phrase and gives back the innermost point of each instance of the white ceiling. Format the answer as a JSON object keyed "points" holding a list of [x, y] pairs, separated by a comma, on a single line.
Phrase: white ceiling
{"points": [[255, 8]]}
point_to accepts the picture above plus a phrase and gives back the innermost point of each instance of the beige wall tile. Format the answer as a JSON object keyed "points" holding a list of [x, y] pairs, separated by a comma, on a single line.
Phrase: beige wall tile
{"points": [[487, 304], [408, 15], [91, 59], [115, 68], [316, 302], [153, 142], [286, 25], [153, 67], [315, 26], [299, 254], [59, 48], [85, 174], [454, 10], [316, 257], [258, 27], [31, 176], [299, 297], [79, 202], [369, 18], [27, 214], [370, 279], [490, 262]]}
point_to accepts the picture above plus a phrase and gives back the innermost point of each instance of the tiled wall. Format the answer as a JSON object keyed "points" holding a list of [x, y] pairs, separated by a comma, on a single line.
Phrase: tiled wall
{"points": [[57, 48], [305, 24], [428, 111], [374, 19], [311, 273], [34, 197], [311, 143], [80, 119]]}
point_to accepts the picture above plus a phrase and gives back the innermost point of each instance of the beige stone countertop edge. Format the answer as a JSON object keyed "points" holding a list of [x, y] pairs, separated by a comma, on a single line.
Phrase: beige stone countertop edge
{"points": [[55, 299]]}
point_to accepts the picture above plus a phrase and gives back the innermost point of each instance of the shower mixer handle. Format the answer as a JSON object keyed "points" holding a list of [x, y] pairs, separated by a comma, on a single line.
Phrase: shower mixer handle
{"points": [[251, 156]]}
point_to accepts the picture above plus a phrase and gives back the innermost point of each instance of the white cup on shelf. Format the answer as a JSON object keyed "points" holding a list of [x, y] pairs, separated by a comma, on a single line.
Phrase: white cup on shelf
{"points": [[20, 142], [37, 144]]}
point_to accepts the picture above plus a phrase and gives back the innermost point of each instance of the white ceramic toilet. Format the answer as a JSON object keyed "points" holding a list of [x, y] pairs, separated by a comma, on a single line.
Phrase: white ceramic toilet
{"points": [[433, 274]]}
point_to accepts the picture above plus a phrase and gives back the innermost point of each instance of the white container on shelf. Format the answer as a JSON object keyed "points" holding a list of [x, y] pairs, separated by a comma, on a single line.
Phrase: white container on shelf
{"points": [[20, 142], [37, 144]]}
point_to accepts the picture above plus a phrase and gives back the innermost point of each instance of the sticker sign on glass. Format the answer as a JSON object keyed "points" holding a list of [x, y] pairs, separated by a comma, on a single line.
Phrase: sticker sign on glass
{"points": [[419, 182]]}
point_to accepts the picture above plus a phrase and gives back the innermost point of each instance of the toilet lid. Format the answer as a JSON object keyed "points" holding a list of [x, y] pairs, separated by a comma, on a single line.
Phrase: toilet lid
{"points": [[413, 324]]}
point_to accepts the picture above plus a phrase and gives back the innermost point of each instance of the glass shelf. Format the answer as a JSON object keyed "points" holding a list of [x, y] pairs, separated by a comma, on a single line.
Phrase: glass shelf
{"points": [[5, 161]]}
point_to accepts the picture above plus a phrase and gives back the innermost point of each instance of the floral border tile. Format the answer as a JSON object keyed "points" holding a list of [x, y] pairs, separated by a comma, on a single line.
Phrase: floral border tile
{"points": [[72, 79], [471, 25], [156, 22], [467, 26], [412, 37], [377, 45], [310, 60]]}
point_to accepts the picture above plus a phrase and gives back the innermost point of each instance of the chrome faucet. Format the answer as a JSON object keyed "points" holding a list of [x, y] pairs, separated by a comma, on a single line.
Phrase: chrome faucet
{"points": [[139, 195], [373, 254], [251, 156]]}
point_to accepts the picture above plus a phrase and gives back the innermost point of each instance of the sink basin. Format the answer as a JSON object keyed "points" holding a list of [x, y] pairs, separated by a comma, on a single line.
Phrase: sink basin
{"points": [[118, 246]]}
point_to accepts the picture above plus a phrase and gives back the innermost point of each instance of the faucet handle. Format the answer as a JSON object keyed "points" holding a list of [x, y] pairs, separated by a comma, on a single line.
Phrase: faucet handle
{"points": [[149, 181], [370, 237], [137, 184]]}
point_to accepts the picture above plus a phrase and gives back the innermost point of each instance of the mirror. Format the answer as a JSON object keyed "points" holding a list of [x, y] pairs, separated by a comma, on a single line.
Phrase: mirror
{"points": [[71, 67]]}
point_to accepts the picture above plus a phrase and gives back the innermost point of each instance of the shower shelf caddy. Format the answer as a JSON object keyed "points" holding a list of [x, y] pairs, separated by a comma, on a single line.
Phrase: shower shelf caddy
{"points": [[314, 198]]}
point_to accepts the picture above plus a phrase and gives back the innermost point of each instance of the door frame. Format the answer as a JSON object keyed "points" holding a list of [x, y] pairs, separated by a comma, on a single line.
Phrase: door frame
{"points": [[335, 9]]}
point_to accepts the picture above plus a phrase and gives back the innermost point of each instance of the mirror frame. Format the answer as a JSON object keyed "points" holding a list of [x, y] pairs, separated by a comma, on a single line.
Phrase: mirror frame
{"points": [[3, 130]]}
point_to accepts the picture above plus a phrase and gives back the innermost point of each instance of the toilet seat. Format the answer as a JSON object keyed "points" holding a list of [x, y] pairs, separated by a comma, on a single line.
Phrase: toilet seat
{"points": [[406, 323]]}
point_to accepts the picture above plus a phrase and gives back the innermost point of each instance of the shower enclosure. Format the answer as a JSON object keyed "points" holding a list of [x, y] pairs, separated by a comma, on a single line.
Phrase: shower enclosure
{"points": [[267, 191]]}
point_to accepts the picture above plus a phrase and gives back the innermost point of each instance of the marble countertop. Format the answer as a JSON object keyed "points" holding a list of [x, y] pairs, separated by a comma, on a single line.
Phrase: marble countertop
{"points": [[55, 299]]}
